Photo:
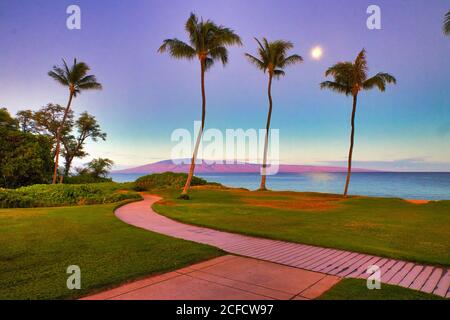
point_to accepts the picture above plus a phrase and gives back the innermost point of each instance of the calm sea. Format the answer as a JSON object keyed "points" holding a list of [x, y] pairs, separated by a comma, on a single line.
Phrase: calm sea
{"points": [[408, 185]]}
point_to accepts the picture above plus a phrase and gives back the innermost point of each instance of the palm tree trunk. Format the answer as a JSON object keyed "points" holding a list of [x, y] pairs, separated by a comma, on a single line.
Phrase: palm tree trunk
{"points": [[200, 134], [58, 139], [266, 138], [352, 141]]}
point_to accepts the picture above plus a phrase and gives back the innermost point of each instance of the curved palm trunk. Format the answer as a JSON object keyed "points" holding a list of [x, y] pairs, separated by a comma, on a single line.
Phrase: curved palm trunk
{"points": [[200, 134], [58, 139], [352, 140], [266, 139]]}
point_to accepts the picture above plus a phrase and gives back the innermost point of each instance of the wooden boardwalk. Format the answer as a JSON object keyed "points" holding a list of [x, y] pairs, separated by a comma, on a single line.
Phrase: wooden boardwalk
{"points": [[340, 263]]}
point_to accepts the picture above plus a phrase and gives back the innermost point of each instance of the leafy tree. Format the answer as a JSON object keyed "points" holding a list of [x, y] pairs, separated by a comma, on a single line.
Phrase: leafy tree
{"points": [[350, 78], [25, 158], [48, 119], [25, 118], [6, 121], [87, 128], [76, 79], [208, 43], [272, 59], [100, 167]]}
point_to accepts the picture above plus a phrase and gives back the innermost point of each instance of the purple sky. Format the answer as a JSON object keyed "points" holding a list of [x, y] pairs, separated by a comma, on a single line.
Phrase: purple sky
{"points": [[147, 95]]}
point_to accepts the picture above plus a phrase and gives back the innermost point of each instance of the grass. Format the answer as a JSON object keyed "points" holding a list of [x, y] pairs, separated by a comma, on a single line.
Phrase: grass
{"points": [[392, 228], [356, 289], [37, 246]]}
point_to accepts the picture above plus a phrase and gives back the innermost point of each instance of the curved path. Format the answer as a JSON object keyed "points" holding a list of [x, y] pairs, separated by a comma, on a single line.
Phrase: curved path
{"points": [[324, 260]]}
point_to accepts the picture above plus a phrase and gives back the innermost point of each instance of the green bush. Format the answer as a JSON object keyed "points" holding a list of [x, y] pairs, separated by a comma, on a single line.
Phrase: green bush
{"points": [[85, 178], [166, 180], [64, 195]]}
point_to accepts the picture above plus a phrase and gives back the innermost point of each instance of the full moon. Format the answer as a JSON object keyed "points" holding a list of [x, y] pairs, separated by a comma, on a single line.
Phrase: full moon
{"points": [[316, 53]]}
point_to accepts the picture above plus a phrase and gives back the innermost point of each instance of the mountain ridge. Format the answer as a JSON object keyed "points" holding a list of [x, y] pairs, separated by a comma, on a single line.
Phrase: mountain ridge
{"points": [[206, 166]]}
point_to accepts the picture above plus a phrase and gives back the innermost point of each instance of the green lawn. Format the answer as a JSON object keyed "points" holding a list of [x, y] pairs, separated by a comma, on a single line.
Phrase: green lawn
{"points": [[37, 246], [356, 289], [387, 227]]}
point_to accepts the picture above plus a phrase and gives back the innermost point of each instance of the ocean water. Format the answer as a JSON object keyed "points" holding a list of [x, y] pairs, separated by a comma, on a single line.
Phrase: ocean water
{"points": [[407, 185]]}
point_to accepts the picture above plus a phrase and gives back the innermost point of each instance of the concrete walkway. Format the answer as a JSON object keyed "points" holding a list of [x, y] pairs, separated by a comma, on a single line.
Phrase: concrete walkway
{"points": [[332, 262], [226, 278]]}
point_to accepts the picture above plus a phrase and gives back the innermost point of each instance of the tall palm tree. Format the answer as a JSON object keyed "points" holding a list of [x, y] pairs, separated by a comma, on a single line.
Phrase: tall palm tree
{"points": [[76, 79], [447, 23], [272, 58], [349, 79], [208, 43]]}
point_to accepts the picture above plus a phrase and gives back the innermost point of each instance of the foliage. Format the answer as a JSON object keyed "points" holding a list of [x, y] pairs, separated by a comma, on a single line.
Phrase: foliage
{"points": [[351, 77], [84, 178], [75, 77], [74, 134], [207, 41], [6, 121], [166, 180], [24, 158], [87, 127], [100, 167], [273, 58], [64, 195], [48, 119], [25, 119], [446, 26]]}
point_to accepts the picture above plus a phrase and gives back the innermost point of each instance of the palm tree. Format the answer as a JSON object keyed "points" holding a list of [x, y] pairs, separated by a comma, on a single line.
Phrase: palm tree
{"points": [[272, 58], [349, 79], [208, 42], [76, 80], [447, 23]]}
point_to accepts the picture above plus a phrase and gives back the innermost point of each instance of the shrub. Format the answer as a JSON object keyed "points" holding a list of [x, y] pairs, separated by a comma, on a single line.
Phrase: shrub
{"points": [[64, 195], [166, 180], [85, 178]]}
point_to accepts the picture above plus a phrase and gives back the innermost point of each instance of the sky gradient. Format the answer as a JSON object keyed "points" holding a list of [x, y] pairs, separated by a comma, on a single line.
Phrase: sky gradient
{"points": [[147, 95]]}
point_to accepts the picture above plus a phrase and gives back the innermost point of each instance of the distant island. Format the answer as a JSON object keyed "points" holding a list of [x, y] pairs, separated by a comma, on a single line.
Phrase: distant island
{"points": [[221, 167]]}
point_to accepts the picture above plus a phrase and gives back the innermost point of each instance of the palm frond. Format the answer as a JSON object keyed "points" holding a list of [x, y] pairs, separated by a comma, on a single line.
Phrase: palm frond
{"points": [[335, 86], [219, 53], [340, 68], [178, 49], [360, 67], [291, 60], [258, 63], [272, 56], [75, 77], [208, 42], [277, 73], [446, 26], [78, 71], [208, 63], [226, 37], [379, 80], [59, 75]]}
